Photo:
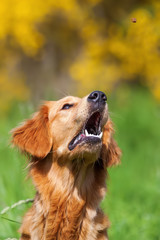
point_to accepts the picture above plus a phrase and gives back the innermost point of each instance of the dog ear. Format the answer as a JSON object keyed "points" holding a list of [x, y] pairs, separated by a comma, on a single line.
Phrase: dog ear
{"points": [[111, 153], [34, 135]]}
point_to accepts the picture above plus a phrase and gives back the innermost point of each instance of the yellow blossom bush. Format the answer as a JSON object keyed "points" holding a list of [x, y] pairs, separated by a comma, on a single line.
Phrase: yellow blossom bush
{"points": [[130, 52], [104, 52]]}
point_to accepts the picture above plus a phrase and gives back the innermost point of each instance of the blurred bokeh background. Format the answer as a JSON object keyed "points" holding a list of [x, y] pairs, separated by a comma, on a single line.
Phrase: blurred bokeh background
{"points": [[49, 49]]}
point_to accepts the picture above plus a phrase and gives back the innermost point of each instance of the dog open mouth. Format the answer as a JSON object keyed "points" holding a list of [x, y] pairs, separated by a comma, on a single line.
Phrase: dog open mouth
{"points": [[90, 133]]}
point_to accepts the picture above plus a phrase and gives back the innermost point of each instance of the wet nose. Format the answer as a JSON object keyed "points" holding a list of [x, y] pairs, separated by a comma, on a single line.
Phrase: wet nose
{"points": [[97, 96]]}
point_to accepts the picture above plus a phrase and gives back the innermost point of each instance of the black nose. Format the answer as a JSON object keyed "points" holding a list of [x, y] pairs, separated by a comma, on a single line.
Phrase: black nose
{"points": [[97, 96]]}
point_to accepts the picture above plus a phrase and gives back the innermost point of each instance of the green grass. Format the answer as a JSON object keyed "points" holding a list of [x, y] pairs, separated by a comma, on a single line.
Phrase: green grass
{"points": [[13, 184], [133, 201], [133, 198]]}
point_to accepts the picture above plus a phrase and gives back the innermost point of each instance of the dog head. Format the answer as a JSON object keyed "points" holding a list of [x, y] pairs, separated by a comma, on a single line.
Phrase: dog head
{"points": [[71, 128]]}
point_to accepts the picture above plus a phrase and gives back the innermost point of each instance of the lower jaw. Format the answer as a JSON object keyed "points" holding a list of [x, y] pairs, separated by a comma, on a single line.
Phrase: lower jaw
{"points": [[91, 143], [88, 151]]}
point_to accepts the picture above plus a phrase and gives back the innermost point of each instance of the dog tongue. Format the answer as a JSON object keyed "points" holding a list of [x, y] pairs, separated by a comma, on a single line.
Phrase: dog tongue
{"points": [[83, 135], [80, 137]]}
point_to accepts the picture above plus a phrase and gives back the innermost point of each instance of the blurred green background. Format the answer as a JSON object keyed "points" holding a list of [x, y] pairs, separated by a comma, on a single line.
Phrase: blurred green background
{"points": [[50, 49]]}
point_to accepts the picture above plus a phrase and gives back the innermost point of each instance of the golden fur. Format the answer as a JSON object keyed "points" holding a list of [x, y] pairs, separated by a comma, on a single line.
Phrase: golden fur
{"points": [[70, 184]]}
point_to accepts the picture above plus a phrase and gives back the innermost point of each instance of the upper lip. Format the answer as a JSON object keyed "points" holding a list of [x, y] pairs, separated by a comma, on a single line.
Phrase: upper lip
{"points": [[91, 130]]}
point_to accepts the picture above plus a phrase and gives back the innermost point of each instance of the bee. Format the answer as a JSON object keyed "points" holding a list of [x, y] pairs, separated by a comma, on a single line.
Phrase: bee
{"points": [[134, 20]]}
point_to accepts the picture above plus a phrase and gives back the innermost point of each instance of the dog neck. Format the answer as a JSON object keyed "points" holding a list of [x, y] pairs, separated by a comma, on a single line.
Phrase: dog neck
{"points": [[69, 193], [67, 177]]}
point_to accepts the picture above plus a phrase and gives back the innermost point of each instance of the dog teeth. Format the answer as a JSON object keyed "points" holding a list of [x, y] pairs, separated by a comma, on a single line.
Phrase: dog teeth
{"points": [[100, 135], [93, 135], [86, 133]]}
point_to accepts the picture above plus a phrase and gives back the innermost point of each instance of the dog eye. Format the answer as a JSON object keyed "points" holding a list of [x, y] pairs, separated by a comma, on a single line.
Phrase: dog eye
{"points": [[67, 106]]}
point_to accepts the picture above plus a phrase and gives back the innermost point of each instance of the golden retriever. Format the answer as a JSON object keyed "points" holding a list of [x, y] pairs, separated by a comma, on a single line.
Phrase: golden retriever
{"points": [[71, 144]]}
